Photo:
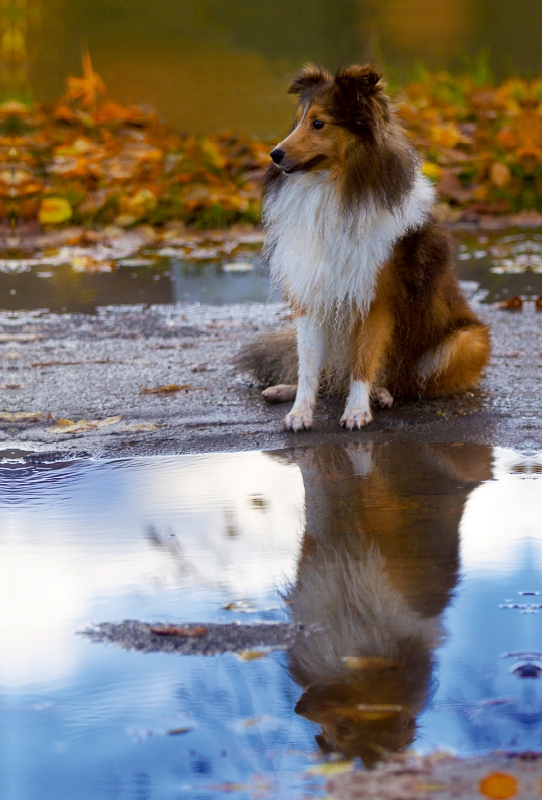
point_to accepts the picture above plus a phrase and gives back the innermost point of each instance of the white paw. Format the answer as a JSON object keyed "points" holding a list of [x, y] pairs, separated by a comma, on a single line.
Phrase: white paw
{"points": [[282, 393], [356, 418], [298, 420], [383, 397]]}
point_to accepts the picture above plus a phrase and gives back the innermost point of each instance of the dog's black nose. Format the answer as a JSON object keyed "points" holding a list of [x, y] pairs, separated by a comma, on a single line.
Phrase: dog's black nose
{"points": [[277, 155]]}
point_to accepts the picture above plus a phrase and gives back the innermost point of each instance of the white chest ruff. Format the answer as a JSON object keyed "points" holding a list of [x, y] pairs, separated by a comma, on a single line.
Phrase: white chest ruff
{"points": [[326, 261]]}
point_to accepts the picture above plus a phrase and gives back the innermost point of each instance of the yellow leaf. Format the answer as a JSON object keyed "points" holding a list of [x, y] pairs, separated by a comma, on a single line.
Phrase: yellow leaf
{"points": [[83, 425], [331, 769], [54, 210], [252, 655], [19, 416], [432, 171], [500, 174]]}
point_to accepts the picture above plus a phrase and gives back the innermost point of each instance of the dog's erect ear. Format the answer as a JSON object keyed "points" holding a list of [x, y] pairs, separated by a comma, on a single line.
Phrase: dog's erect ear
{"points": [[359, 83], [308, 78]]}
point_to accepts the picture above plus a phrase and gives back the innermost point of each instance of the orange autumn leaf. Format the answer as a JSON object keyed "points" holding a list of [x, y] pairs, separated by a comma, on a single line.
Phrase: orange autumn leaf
{"points": [[89, 87]]}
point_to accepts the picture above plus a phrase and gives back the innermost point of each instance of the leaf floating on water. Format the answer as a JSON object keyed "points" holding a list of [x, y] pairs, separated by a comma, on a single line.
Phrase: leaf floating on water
{"points": [[238, 266], [179, 731], [179, 630], [249, 723], [229, 787], [333, 768], [369, 662], [252, 655], [170, 387], [499, 786], [241, 606]]}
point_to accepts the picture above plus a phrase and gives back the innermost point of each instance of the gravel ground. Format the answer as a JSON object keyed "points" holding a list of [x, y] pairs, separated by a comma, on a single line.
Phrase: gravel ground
{"points": [[214, 638], [80, 367]]}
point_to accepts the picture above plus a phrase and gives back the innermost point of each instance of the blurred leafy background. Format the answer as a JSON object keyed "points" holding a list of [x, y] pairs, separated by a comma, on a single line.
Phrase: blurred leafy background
{"points": [[82, 144]]}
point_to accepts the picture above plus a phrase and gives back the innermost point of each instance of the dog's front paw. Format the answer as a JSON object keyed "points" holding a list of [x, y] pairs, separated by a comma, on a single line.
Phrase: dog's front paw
{"points": [[355, 418], [298, 420], [383, 397]]}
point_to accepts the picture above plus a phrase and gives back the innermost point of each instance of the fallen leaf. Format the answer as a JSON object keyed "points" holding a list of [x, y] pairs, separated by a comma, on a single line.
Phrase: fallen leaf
{"points": [[179, 630], [171, 387], [332, 768], [249, 723], [54, 210], [512, 304], [252, 655], [500, 174], [238, 266], [179, 731], [241, 605], [499, 786], [21, 416], [82, 425]]}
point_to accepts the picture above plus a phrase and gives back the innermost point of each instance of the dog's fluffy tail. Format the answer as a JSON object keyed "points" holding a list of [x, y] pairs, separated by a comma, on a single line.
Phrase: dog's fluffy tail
{"points": [[271, 357]]}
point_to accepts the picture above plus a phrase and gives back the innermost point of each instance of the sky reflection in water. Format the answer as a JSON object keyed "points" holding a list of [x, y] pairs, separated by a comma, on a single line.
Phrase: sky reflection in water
{"points": [[404, 553]]}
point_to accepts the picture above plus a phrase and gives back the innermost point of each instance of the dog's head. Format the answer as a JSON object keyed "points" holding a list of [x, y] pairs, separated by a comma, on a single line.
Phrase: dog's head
{"points": [[346, 124]]}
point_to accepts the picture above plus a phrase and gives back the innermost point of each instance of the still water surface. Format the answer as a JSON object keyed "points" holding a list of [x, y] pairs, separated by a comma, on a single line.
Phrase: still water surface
{"points": [[418, 566], [493, 266]]}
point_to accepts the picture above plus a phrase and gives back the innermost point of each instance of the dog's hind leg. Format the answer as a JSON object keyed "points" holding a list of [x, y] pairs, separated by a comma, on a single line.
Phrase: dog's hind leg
{"points": [[456, 364], [282, 393], [383, 397]]}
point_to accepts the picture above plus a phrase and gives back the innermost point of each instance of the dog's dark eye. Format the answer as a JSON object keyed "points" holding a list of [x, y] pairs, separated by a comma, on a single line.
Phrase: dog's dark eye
{"points": [[318, 124]]}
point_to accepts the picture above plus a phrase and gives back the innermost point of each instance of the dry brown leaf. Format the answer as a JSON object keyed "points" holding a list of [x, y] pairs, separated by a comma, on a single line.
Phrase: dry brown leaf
{"points": [[21, 416], [512, 304], [179, 630]]}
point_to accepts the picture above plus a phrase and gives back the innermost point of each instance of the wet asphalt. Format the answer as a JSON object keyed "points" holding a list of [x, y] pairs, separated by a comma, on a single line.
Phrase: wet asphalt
{"points": [[81, 367]]}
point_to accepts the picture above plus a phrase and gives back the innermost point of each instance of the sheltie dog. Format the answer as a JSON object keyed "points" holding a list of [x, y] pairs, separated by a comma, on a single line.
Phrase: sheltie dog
{"points": [[361, 258]]}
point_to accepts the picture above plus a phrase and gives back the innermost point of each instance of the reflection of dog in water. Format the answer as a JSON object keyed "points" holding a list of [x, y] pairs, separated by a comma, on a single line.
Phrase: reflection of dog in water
{"points": [[378, 566]]}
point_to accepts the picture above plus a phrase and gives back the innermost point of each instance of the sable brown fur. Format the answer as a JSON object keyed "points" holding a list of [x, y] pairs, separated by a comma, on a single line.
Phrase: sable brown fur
{"points": [[363, 117], [418, 291]]}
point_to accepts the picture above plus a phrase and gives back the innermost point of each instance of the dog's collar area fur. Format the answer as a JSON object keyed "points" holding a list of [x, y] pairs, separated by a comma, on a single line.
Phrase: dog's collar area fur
{"points": [[324, 255]]}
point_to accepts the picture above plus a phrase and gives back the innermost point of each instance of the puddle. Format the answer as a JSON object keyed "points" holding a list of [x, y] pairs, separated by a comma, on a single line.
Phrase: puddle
{"points": [[501, 264], [149, 280], [410, 574], [492, 267]]}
